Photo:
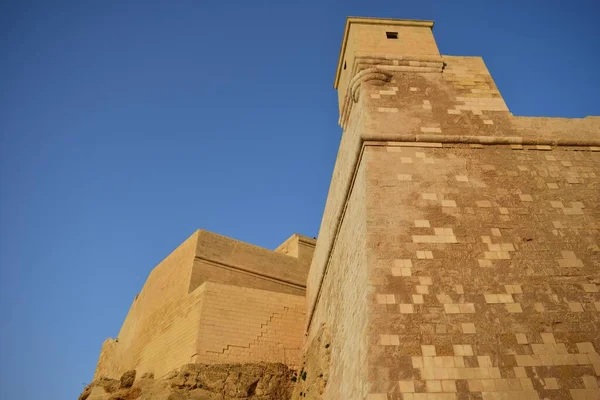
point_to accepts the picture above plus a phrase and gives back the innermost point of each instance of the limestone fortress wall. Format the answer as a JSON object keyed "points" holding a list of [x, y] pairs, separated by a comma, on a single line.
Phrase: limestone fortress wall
{"points": [[458, 255], [214, 300]]}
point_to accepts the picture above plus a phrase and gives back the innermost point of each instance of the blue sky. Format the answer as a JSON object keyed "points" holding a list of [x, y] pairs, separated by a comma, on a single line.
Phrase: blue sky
{"points": [[126, 125]]}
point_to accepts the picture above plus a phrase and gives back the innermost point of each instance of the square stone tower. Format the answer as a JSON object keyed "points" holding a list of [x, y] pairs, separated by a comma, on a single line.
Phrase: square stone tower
{"points": [[458, 254]]}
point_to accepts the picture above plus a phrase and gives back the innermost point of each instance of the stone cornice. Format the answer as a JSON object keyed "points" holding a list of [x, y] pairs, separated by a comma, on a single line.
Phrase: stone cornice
{"points": [[306, 240], [352, 93], [254, 273], [593, 143]]}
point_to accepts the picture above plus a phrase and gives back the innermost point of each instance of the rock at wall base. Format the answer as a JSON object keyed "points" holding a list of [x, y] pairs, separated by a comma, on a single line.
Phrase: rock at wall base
{"points": [[259, 381]]}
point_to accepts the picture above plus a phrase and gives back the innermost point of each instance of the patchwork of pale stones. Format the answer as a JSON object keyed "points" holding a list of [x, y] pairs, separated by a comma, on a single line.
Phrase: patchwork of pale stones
{"points": [[443, 376], [480, 94]]}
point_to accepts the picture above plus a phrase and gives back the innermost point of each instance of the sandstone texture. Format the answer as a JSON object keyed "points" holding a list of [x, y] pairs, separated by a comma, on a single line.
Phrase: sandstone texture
{"points": [[261, 381], [312, 378], [127, 379], [253, 298]]}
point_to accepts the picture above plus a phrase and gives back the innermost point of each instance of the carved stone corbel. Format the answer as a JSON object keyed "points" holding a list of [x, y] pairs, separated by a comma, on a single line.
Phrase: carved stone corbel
{"points": [[353, 92]]}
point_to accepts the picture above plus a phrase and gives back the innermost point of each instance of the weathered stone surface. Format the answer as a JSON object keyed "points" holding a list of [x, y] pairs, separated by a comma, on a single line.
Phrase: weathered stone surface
{"points": [[312, 378], [127, 379], [148, 375], [100, 387], [260, 381]]}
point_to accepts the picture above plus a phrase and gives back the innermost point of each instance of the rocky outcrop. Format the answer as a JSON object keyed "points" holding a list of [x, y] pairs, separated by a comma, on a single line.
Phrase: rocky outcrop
{"points": [[127, 379], [260, 381]]}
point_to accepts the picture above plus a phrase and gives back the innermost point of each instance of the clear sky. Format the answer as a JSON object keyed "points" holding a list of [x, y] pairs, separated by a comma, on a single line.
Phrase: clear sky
{"points": [[126, 125]]}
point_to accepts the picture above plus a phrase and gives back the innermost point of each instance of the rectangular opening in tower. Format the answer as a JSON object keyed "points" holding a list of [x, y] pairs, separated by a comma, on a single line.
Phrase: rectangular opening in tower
{"points": [[391, 35]]}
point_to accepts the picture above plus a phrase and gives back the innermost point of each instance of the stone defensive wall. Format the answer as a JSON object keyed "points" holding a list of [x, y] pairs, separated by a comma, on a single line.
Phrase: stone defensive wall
{"points": [[458, 253], [214, 300]]}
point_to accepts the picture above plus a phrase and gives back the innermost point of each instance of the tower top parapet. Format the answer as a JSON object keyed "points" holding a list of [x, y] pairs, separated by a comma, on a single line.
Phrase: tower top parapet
{"points": [[375, 38]]}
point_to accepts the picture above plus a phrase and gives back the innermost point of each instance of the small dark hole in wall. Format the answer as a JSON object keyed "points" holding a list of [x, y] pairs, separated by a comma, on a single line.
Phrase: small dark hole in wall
{"points": [[252, 389], [391, 35], [344, 64]]}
